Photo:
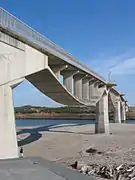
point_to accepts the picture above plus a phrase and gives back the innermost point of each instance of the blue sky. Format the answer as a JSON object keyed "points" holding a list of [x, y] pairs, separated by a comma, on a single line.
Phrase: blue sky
{"points": [[100, 33]]}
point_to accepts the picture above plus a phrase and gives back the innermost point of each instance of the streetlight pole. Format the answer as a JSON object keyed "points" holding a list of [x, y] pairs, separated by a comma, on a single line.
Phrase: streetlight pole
{"points": [[109, 76]]}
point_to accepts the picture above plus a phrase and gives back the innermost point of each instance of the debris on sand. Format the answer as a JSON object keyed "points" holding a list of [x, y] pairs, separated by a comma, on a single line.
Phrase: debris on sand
{"points": [[91, 150], [121, 172], [74, 165]]}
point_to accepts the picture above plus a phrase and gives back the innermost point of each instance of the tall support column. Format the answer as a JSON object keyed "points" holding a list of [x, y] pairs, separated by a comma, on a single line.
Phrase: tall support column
{"points": [[92, 88], [8, 140], [67, 81], [85, 89], [117, 112], [102, 117], [123, 112], [78, 86]]}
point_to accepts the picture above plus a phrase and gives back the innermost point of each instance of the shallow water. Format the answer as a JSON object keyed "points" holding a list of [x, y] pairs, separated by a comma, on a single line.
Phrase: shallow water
{"points": [[41, 122]]}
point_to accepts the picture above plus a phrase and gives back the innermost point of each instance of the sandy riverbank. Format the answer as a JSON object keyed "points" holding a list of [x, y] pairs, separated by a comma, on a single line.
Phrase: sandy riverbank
{"points": [[67, 143]]}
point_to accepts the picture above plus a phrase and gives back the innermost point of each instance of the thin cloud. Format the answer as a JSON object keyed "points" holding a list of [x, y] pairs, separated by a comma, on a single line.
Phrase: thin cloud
{"points": [[125, 67], [117, 65]]}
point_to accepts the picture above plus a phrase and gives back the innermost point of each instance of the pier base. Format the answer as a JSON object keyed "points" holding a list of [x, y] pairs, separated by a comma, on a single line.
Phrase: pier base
{"points": [[8, 140]]}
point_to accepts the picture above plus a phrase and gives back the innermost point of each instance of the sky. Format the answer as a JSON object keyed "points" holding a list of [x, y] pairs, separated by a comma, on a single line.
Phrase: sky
{"points": [[100, 33]]}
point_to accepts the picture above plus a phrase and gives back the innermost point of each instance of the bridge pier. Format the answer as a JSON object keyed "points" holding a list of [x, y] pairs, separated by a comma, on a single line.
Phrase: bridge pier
{"points": [[78, 86], [68, 79], [91, 89], [117, 112], [102, 117], [123, 112], [8, 140], [85, 88]]}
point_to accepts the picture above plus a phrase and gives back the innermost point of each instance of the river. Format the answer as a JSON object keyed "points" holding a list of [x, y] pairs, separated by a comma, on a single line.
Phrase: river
{"points": [[42, 122]]}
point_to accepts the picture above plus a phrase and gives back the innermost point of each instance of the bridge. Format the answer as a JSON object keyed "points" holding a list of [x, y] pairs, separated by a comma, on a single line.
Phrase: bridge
{"points": [[26, 54]]}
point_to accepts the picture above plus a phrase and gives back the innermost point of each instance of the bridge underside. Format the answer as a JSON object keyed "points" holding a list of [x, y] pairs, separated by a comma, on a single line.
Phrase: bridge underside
{"points": [[48, 84], [19, 61]]}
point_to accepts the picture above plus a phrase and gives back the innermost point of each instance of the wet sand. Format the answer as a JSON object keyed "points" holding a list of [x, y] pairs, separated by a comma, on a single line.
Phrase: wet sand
{"points": [[67, 143]]}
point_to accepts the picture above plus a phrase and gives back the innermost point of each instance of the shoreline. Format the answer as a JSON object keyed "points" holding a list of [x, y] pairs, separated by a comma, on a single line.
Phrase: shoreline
{"points": [[56, 116]]}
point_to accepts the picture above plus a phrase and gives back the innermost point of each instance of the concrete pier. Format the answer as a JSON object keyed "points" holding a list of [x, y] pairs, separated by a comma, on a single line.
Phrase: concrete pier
{"points": [[102, 117], [78, 86], [85, 88], [92, 88], [68, 81], [123, 112], [117, 112], [8, 142]]}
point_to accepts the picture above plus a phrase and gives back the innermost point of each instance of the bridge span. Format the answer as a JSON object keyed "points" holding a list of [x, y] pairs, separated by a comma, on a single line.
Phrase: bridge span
{"points": [[26, 54]]}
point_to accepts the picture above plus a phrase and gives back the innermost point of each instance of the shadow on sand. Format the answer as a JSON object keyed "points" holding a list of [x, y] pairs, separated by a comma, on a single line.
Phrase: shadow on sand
{"points": [[35, 133]]}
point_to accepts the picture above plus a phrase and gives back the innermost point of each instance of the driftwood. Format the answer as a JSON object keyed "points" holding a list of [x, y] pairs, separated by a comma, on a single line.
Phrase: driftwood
{"points": [[121, 172]]}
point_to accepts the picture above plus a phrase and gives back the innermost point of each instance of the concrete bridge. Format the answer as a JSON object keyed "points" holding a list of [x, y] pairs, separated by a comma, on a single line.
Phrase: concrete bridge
{"points": [[26, 54]]}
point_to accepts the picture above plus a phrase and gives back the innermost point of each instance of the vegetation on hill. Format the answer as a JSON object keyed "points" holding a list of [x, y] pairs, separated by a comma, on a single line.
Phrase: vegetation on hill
{"points": [[65, 109], [31, 111], [131, 112]]}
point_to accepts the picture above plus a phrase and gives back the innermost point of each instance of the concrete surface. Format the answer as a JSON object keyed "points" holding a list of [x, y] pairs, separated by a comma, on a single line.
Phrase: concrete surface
{"points": [[35, 168]]}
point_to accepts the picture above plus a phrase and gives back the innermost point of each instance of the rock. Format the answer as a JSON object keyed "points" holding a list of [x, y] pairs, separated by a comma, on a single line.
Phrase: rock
{"points": [[92, 172], [120, 177], [99, 152], [131, 175], [74, 165], [91, 150], [130, 169], [121, 172], [85, 169], [80, 165], [119, 167]]}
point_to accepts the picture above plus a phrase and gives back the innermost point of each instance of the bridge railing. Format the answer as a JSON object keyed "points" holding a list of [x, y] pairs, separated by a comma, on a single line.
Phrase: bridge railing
{"points": [[12, 24]]}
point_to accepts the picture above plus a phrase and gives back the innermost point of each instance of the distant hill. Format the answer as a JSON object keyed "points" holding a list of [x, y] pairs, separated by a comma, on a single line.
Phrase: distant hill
{"points": [[66, 112], [131, 112], [64, 109]]}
